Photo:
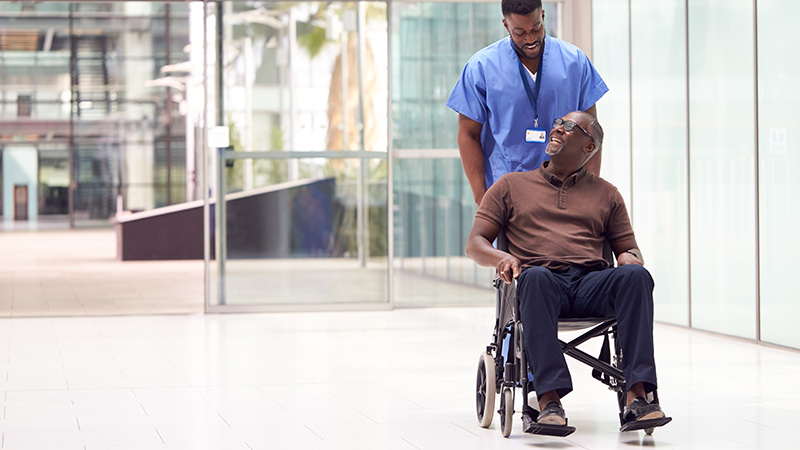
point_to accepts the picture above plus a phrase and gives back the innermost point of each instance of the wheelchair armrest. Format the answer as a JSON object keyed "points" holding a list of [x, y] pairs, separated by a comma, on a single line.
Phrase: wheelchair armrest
{"points": [[497, 282]]}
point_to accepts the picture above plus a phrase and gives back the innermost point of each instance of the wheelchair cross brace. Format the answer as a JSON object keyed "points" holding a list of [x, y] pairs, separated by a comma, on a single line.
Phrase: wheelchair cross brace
{"points": [[603, 371]]}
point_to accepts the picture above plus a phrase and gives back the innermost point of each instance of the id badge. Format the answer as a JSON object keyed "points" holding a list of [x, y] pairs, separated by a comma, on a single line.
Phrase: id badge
{"points": [[535, 135]]}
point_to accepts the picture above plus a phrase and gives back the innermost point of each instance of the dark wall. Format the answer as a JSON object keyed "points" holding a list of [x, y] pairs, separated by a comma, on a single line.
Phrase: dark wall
{"points": [[297, 220]]}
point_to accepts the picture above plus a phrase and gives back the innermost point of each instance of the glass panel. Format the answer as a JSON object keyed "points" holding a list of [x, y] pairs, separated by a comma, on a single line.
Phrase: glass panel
{"points": [[305, 77], [434, 213], [130, 75], [53, 180], [658, 124], [431, 43], [34, 112], [93, 105], [722, 165], [434, 209], [610, 42], [282, 237], [779, 162], [99, 81], [284, 82]]}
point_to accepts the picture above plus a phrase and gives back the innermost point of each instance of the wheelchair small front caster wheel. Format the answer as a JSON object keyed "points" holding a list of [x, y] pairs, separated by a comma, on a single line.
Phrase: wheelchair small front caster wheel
{"points": [[506, 411]]}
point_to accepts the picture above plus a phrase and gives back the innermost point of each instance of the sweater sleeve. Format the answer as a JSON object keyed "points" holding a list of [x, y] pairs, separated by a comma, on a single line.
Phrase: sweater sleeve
{"points": [[496, 204], [619, 231]]}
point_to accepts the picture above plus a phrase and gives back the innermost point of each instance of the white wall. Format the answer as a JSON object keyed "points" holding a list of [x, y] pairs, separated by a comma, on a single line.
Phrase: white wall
{"points": [[20, 166]]}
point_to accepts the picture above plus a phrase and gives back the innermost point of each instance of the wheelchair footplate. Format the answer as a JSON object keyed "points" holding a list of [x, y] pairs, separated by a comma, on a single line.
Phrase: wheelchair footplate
{"points": [[646, 424], [529, 425]]}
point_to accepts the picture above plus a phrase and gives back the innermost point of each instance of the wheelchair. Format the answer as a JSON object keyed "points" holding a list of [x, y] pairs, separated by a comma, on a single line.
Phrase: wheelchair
{"points": [[502, 370]]}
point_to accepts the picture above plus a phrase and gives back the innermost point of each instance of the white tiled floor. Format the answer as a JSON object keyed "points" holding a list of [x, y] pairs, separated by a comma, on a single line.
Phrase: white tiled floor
{"points": [[76, 273], [399, 379]]}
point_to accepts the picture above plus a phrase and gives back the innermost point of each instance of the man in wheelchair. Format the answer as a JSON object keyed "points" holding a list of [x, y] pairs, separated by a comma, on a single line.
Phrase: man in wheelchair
{"points": [[556, 220]]}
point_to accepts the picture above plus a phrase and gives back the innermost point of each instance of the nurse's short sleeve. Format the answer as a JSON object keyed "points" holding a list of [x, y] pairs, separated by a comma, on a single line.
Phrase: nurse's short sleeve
{"points": [[469, 94], [592, 85]]}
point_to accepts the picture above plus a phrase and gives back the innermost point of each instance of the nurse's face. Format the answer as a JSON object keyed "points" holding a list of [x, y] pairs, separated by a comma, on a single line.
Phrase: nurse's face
{"points": [[527, 33]]}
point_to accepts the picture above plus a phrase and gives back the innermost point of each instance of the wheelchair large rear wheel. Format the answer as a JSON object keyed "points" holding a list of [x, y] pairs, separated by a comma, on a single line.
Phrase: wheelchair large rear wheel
{"points": [[486, 390], [507, 411]]}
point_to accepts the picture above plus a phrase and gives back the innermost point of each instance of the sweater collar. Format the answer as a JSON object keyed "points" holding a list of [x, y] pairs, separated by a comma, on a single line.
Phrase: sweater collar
{"points": [[571, 180]]}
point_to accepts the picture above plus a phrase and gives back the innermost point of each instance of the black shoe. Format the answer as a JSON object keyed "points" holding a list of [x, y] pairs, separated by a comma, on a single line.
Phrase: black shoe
{"points": [[640, 415], [546, 423], [552, 414]]}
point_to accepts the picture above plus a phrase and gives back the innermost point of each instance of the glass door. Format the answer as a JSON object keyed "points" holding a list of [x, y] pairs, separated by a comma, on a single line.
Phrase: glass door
{"points": [[300, 177]]}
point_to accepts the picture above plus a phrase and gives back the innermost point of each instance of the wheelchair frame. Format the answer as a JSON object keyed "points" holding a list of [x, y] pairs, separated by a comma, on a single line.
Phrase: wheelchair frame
{"points": [[496, 375]]}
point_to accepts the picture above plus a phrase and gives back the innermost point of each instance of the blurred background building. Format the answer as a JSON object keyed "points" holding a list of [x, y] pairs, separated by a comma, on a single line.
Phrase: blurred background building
{"points": [[303, 153]]}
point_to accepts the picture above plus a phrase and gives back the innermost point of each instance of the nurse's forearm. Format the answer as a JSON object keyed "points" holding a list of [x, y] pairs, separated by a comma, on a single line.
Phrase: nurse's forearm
{"points": [[472, 160], [469, 147], [592, 110]]}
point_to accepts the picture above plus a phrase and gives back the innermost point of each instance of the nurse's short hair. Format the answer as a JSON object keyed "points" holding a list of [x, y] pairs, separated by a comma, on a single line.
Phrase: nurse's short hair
{"points": [[521, 7]]}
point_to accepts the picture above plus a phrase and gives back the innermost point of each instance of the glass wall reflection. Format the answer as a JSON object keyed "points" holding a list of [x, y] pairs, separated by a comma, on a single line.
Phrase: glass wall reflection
{"points": [[431, 43], [304, 241], [433, 204], [434, 210], [93, 129], [779, 161], [80, 98], [722, 135], [645, 150], [101, 112], [728, 260], [301, 228], [610, 37], [659, 156]]}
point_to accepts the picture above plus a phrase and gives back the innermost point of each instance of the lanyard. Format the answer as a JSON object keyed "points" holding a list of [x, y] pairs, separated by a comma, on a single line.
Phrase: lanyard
{"points": [[533, 96]]}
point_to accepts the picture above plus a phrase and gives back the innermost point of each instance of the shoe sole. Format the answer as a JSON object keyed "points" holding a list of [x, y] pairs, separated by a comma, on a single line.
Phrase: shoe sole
{"points": [[549, 430], [532, 427], [645, 423], [652, 415]]}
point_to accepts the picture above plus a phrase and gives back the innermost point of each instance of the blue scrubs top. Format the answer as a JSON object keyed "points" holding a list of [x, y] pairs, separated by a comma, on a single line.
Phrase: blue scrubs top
{"points": [[490, 92]]}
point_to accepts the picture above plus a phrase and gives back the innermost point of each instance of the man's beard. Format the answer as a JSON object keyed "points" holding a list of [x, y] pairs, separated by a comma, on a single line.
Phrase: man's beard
{"points": [[522, 51]]}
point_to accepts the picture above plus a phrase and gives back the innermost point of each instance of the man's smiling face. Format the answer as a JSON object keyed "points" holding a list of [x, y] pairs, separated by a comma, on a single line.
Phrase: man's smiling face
{"points": [[568, 137]]}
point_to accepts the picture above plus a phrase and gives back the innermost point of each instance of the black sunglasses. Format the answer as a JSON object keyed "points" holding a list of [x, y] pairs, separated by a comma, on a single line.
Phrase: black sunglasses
{"points": [[570, 125]]}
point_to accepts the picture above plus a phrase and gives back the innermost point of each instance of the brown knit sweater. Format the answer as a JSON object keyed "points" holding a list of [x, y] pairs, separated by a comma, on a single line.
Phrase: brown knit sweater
{"points": [[557, 225]]}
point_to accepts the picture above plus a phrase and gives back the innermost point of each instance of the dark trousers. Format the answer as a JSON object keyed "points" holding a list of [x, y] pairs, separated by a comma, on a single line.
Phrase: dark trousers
{"points": [[624, 292]]}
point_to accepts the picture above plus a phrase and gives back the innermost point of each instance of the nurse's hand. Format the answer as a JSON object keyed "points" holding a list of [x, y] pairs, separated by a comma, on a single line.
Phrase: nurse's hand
{"points": [[508, 268]]}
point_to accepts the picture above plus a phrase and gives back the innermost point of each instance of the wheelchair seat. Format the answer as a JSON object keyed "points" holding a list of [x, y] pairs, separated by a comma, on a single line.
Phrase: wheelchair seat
{"points": [[574, 324]]}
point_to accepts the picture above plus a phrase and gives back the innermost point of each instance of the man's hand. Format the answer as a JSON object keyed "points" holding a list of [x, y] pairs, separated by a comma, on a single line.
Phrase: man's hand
{"points": [[508, 268], [627, 257], [480, 249]]}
